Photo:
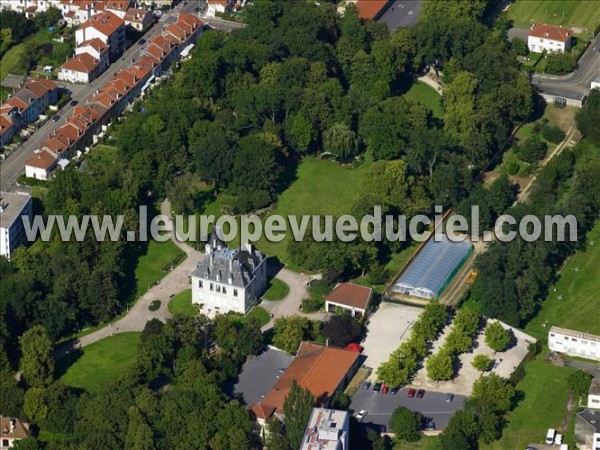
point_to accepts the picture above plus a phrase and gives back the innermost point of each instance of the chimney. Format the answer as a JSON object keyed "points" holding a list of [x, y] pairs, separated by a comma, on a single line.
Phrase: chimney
{"points": [[12, 425]]}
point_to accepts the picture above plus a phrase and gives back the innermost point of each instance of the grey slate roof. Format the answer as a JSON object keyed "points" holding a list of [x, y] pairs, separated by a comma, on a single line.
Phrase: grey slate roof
{"points": [[592, 418], [224, 265]]}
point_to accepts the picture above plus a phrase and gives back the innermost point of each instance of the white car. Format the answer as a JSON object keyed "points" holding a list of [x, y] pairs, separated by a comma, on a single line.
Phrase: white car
{"points": [[361, 414]]}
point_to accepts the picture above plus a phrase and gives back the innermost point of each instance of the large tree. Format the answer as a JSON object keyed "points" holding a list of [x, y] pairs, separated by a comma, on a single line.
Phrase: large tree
{"points": [[341, 329], [297, 408], [497, 337], [588, 117], [406, 425], [37, 362]]}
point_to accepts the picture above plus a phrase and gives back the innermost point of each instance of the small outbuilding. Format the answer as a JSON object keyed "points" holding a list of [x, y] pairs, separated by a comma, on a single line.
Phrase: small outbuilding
{"points": [[350, 297]]}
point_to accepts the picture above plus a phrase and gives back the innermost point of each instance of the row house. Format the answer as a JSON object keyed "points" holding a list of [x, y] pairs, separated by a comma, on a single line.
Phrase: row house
{"points": [[89, 120], [138, 19], [81, 68], [25, 106]]}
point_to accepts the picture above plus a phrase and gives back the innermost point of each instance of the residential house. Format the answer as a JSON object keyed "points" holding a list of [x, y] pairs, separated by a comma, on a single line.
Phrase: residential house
{"points": [[118, 7], [372, 9], [327, 429], [107, 27], [138, 19], [12, 233], [12, 430], [549, 38], [217, 6], [587, 429], [81, 68], [320, 369], [96, 48], [228, 279], [574, 343], [350, 298], [594, 394]]}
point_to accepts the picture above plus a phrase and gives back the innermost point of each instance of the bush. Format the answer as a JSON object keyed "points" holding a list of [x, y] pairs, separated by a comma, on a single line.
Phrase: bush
{"points": [[496, 337], [482, 363], [405, 424], [552, 133], [312, 305], [520, 47], [154, 305], [512, 168], [532, 150], [560, 63]]}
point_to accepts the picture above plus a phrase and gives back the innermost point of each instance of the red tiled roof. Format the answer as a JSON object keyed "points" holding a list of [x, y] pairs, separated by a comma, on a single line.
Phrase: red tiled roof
{"points": [[121, 5], [551, 32], [55, 145], [177, 32], [318, 368], [49, 84], [136, 14], [20, 430], [262, 411], [84, 62], [17, 103], [95, 43], [5, 124], [369, 9], [31, 9], [350, 294], [41, 160], [40, 86], [105, 22]]}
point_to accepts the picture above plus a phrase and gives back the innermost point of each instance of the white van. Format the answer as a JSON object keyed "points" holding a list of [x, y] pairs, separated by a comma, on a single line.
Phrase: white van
{"points": [[558, 439], [550, 436], [564, 447]]}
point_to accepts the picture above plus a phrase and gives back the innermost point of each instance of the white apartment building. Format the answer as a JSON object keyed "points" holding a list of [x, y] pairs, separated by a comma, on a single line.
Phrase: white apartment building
{"points": [[97, 49], [594, 394], [327, 429], [587, 429], [549, 38], [12, 232], [228, 279], [107, 27], [574, 343]]}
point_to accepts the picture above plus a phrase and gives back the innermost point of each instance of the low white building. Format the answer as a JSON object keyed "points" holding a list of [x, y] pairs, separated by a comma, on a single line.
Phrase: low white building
{"points": [[549, 38], [97, 49], [82, 68], [12, 231], [574, 343], [594, 394], [587, 429], [327, 429], [216, 6], [595, 83], [41, 164], [228, 279]]}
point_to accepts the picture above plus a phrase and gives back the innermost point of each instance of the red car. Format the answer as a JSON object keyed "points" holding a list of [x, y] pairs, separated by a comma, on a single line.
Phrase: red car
{"points": [[384, 389], [420, 393], [411, 392]]}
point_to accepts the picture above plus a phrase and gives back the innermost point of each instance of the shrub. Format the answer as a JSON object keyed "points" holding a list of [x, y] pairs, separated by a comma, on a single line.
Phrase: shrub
{"points": [[552, 133], [532, 150], [154, 305], [512, 168], [482, 363], [312, 305], [496, 337]]}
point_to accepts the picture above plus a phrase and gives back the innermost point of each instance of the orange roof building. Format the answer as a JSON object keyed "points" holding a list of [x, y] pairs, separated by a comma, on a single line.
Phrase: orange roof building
{"points": [[549, 38], [320, 369], [372, 9], [350, 297]]}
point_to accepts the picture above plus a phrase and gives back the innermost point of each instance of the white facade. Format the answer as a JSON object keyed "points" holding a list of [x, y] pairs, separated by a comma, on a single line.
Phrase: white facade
{"points": [[327, 429], [228, 279], [101, 56], [549, 38], [215, 6], [74, 76], [12, 232], [595, 84], [538, 45], [594, 394], [574, 343]]}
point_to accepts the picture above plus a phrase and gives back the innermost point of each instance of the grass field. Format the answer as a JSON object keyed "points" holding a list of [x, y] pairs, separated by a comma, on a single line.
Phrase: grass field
{"points": [[579, 285], [545, 392], [259, 313], [150, 266], [428, 96], [182, 304], [322, 187], [572, 13], [277, 290], [103, 362]]}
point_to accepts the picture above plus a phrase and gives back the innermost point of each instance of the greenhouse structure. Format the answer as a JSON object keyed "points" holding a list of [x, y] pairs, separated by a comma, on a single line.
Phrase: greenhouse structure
{"points": [[433, 268]]}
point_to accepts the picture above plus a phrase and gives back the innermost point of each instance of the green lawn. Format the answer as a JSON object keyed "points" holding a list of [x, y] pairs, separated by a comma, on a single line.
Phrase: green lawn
{"points": [[578, 309], [151, 266], [103, 362], [428, 96], [13, 61], [543, 406], [277, 290], [322, 187], [259, 313], [571, 13], [182, 304]]}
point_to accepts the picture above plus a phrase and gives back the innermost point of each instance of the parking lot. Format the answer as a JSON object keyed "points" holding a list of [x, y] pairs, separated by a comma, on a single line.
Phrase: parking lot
{"points": [[380, 406], [260, 373], [387, 328]]}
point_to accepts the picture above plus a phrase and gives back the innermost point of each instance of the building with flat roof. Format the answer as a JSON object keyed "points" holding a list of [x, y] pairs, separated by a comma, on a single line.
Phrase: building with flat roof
{"points": [[327, 429], [433, 268], [587, 429], [594, 394], [320, 369], [574, 343], [350, 297], [12, 232]]}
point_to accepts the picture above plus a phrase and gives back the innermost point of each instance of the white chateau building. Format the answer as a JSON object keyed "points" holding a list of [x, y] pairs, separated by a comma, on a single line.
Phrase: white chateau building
{"points": [[574, 343], [549, 38], [228, 279]]}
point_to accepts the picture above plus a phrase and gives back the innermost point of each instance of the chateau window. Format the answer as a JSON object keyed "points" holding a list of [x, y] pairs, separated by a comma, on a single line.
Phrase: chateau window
{"points": [[212, 287], [199, 283], [235, 292], [224, 290]]}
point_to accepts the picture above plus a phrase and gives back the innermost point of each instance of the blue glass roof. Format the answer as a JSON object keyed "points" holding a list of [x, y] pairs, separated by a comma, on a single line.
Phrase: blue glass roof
{"points": [[429, 273]]}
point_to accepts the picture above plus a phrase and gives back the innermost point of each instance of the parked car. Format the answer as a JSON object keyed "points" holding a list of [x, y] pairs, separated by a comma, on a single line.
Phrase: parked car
{"points": [[430, 425], [73, 102], [385, 389], [449, 398], [420, 393], [142, 41], [377, 387], [394, 391], [411, 392], [361, 414], [366, 385], [56, 118]]}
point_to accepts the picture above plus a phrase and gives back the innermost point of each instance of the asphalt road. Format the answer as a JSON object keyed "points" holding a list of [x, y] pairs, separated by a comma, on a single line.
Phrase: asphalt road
{"points": [[14, 165], [380, 407], [576, 84], [401, 13]]}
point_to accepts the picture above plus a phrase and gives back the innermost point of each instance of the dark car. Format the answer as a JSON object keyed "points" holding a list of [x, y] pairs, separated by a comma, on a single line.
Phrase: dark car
{"points": [[394, 391], [73, 102], [449, 398], [385, 389], [430, 426], [142, 41], [420, 393], [366, 385], [411, 392], [377, 387], [56, 118]]}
